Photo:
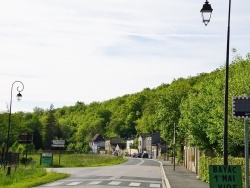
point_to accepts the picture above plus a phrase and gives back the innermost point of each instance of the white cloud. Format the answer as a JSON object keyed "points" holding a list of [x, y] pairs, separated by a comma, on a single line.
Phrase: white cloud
{"points": [[67, 51]]}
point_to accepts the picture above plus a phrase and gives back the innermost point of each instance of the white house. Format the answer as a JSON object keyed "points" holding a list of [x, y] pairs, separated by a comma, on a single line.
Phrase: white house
{"points": [[97, 143], [129, 148], [142, 142]]}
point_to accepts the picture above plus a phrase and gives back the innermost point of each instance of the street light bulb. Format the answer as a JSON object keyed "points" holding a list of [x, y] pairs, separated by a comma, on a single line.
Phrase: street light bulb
{"points": [[206, 13], [19, 97]]}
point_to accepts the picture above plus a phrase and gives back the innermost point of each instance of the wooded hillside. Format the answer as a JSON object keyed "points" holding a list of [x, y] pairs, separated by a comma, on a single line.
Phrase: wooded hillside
{"points": [[195, 104]]}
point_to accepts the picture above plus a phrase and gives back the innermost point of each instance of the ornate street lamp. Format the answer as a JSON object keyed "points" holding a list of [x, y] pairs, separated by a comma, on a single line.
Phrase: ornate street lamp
{"points": [[19, 96], [206, 13], [207, 9]]}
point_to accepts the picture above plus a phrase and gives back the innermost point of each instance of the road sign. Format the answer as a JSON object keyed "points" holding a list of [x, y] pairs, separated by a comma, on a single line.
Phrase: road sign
{"points": [[225, 176], [57, 146], [46, 158], [25, 138], [13, 158], [58, 142], [47, 154], [241, 107]]}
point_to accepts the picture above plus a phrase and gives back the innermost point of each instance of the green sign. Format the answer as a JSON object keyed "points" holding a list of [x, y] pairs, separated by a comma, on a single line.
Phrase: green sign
{"points": [[225, 176], [46, 160]]}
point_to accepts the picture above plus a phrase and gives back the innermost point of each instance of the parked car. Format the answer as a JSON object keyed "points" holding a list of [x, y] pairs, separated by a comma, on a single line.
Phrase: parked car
{"points": [[139, 155], [145, 155], [115, 153]]}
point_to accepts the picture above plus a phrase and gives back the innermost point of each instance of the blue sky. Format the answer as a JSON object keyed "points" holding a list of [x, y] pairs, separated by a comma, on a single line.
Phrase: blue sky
{"points": [[92, 50]]}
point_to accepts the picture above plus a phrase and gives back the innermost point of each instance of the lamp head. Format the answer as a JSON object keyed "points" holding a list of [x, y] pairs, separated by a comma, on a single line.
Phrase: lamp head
{"points": [[206, 13], [19, 97]]}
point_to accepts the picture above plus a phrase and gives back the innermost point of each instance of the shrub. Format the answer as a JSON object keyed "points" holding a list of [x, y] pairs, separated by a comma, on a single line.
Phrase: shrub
{"points": [[23, 160], [204, 163]]}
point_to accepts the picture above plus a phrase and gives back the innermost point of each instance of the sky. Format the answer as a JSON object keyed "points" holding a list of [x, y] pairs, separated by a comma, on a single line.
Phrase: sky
{"points": [[64, 51]]}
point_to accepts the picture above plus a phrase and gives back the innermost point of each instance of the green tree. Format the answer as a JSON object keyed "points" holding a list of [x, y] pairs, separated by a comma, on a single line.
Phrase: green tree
{"points": [[167, 108], [52, 130]]}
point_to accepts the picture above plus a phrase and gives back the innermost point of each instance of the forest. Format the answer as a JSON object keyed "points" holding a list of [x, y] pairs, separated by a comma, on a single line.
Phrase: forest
{"points": [[195, 104]]}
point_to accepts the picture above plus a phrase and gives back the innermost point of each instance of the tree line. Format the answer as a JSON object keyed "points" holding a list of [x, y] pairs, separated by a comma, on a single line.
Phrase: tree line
{"points": [[195, 104]]}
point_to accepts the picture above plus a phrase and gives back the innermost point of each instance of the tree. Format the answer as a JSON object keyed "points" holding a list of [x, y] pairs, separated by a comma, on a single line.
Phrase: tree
{"points": [[3, 127], [202, 112], [52, 130], [167, 110]]}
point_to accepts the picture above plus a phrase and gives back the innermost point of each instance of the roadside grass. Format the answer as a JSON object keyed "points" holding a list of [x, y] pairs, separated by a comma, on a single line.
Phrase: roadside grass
{"points": [[87, 160], [28, 177], [80, 160], [35, 174]]}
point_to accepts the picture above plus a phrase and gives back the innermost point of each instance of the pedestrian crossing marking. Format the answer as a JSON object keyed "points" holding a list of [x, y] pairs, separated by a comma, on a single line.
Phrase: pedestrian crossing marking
{"points": [[74, 183], [111, 183], [133, 184], [95, 182], [155, 185], [114, 183]]}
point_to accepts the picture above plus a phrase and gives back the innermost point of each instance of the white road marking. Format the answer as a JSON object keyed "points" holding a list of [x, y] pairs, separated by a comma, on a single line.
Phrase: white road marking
{"points": [[114, 183], [133, 184], [74, 183], [140, 163], [155, 185], [95, 182]]}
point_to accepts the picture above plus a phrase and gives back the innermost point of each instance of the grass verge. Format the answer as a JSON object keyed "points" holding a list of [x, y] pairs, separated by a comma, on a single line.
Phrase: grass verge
{"points": [[28, 177], [35, 174]]}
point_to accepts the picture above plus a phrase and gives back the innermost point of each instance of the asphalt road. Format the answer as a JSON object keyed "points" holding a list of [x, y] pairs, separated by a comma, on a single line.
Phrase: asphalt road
{"points": [[134, 173]]}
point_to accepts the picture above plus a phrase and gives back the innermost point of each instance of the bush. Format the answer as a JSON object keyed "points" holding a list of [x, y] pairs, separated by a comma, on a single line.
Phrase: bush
{"points": [[23, 160], [204, 163]]}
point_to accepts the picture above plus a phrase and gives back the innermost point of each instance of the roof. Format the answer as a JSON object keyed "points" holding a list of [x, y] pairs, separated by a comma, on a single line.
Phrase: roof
{"points": [[121, 145], [156, 138], [116, 140], [97, 138], [143, 135]]}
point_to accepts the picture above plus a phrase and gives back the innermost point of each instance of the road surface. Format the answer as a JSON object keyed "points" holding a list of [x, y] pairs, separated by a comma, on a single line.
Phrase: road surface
{"points": [[135, 172]]}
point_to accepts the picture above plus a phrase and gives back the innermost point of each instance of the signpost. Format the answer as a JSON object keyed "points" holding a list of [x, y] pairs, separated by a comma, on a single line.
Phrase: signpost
{"points": [[13, 158], [58, 144], [27, 139], [241, 109], [46, 158], [225, 176]]}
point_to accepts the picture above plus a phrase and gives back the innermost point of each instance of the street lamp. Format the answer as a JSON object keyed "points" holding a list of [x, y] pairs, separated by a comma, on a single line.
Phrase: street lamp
{"points": [[130, 148], [206, 12], [207, 9], [19, 96]]}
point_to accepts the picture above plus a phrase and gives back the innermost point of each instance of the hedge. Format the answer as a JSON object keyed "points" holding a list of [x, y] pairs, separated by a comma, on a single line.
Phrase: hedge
{"points": [[206, 161]]}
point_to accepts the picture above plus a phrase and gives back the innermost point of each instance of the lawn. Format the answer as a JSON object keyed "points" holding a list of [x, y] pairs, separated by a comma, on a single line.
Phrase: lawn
{"points": [[35, 174]]}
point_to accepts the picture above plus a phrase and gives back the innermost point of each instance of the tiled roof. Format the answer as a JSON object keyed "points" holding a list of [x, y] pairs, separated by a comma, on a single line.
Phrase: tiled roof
{"points": [[97, 138], [116, 140], [143, 135]]}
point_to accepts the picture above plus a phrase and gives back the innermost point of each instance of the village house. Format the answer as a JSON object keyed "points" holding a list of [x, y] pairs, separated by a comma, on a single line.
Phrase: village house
{"points": [[97, 143]]}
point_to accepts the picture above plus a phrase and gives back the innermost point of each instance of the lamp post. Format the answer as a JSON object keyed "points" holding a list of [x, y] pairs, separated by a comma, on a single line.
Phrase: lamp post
{"points": [[130, 144], [206, 12], [19, 96], [207, 9], [174, 144]]}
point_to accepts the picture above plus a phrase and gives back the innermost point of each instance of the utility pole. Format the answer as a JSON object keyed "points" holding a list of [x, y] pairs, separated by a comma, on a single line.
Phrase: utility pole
{"points": [[174, 146]]}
